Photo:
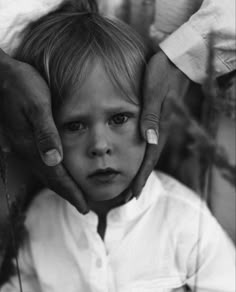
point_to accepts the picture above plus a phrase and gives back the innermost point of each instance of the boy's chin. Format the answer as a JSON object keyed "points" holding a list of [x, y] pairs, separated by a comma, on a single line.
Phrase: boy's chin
{"points": [[103, 197], [115, 195]]}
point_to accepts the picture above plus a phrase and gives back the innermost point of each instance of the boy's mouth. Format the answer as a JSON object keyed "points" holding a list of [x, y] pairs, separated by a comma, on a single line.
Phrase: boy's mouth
{"points": [[104, 175]]}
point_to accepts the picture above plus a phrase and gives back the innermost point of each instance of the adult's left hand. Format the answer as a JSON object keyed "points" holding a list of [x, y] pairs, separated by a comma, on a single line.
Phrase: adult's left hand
{"points": [[28, 128], [163, 82]]}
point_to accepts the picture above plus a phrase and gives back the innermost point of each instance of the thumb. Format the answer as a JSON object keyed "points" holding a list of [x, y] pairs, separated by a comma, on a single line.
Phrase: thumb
{"points": [[150, 116], [150, 126], [47, 138], [155, 91]]}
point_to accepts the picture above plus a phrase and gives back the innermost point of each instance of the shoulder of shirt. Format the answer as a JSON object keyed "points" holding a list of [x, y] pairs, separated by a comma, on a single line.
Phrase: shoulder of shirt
{"points": [[176, 203], [177, 193], [43, 210]]}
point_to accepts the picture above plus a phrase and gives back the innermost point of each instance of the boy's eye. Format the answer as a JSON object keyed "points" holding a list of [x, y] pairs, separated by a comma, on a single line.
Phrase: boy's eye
{"points": [[74, 126], [119, 119]]}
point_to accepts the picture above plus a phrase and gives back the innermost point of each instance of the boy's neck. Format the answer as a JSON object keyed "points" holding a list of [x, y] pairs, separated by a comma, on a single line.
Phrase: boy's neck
{"points": [[101, 208]]}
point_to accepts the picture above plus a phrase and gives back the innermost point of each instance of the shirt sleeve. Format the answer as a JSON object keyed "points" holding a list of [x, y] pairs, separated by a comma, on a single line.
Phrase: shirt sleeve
{"points": [[211, 263], [187, 33], [15, 15], [28, 278]]}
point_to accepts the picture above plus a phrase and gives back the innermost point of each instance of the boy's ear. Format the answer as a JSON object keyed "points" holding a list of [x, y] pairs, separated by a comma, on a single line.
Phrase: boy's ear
{"points": [[4, 142]]}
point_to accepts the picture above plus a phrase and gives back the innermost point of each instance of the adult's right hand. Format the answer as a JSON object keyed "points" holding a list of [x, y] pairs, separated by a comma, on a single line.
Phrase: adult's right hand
{"points": [[163, 83], [27, 122]]}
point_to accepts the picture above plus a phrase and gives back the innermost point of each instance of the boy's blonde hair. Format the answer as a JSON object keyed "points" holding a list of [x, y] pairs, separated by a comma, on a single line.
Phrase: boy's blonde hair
{"points": [[63, 45]]}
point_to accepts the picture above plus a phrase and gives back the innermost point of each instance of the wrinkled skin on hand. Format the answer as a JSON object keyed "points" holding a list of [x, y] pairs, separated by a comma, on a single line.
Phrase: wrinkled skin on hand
{"points": [[163, 82], [27, 123]]}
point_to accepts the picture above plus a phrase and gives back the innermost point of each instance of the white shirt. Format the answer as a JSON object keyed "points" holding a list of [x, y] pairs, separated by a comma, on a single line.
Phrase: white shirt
{"points": [[162, 241], [182, 27]]}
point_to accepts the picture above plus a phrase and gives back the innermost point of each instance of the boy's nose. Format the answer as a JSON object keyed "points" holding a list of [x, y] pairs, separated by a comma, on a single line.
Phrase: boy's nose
{"points": [[99, 147]]}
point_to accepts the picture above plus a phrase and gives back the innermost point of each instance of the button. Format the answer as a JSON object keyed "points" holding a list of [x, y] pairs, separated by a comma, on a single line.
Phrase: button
{"points": [[113, 216], [99, 263]]}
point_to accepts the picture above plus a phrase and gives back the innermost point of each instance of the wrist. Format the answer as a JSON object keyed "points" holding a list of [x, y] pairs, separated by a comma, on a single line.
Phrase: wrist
{"points": [[166, 61]]}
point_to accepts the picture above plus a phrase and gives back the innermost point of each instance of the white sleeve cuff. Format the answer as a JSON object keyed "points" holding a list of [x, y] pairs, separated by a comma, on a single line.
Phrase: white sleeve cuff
{"points": [[189, 52]]}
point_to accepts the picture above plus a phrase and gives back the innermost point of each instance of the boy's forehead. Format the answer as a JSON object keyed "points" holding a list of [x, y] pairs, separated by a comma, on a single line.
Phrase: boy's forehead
{"points": [[98, 88], [96, 96]]}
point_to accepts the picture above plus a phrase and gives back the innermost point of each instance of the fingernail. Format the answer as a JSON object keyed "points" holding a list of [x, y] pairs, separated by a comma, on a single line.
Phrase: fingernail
{"points": [[152, 136], [52, 157]]}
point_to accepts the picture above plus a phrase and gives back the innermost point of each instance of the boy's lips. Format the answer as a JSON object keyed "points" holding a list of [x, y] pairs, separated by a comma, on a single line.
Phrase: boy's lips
{"points": [[104, 175]]}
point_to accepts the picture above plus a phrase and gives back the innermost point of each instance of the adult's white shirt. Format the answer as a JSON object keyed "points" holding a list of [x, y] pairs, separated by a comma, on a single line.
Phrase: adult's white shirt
{"points": [[182, 27]]}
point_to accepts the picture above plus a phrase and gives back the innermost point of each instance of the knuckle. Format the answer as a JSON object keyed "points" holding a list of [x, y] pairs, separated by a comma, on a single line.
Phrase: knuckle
{"points": [[44, 139], [151, 118], [37, 105]]}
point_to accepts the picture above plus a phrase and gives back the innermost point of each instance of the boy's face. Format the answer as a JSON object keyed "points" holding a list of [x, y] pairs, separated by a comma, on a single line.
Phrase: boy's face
{"points": [[99, 128]]}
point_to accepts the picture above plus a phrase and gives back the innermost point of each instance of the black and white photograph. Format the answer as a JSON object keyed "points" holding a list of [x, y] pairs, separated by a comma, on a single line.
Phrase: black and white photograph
{"points": [[117, 145]]}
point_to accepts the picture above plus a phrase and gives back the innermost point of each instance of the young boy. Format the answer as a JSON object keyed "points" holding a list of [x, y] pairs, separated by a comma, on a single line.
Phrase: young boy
{"points": [[165, 240]]}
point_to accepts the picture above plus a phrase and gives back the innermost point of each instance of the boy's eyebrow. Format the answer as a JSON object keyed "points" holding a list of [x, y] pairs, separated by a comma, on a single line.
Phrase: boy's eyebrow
{"points": [[108, 111]]}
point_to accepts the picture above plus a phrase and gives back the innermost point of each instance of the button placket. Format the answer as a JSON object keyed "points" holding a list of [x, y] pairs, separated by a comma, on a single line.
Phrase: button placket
{"points": [[98, 263]]}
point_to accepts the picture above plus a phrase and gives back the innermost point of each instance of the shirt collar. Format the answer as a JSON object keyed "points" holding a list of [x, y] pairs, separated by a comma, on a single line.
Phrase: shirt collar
{"points": [[127, 212]]}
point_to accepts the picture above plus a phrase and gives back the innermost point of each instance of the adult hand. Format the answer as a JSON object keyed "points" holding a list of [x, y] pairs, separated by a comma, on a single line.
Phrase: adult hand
{"points": [[26, 118], [163, 82]]}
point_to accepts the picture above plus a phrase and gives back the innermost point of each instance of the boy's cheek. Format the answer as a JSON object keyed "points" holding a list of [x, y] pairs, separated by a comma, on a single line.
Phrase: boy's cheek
{"points": [[71, 159], [143, 150], [74, 167], [140, 142], [137, 154]]}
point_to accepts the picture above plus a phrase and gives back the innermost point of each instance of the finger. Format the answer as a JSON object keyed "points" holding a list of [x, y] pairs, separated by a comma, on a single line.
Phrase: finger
{"points": [[47, 137], [58, 179], [151, 157], [155, 91], [127, 194]]}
